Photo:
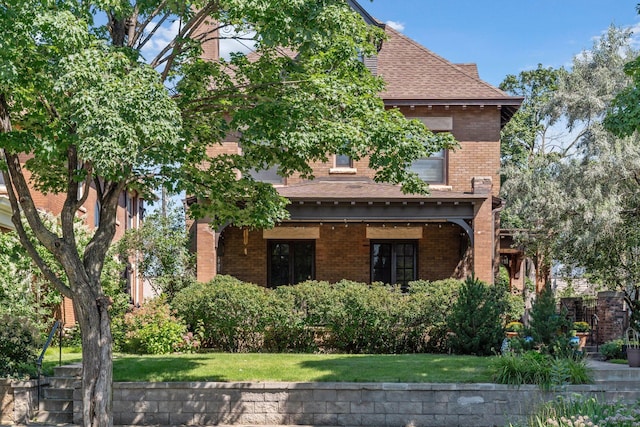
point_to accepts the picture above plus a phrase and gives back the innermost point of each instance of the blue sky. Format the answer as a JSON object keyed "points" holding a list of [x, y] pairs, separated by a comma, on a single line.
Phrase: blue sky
{"points": [[505, 36]]}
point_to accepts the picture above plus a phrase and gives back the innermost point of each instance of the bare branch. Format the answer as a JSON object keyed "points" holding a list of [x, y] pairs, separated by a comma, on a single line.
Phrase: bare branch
{"points": [[175, 46], [152, 32]]}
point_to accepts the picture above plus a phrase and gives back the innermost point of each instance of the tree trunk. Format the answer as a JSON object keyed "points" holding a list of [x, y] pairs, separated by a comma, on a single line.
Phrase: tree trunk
{"points": [[543, 272], [97, 361]]}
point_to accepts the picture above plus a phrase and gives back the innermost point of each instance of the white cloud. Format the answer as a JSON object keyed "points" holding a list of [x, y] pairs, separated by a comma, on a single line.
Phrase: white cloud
{"points": [[228, 44], [162, 37], [398, 26], [231, 44]]}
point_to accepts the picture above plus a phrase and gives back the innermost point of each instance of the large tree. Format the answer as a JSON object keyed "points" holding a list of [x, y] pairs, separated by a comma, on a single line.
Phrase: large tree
{"points": [[554, 194], [81, 106]]}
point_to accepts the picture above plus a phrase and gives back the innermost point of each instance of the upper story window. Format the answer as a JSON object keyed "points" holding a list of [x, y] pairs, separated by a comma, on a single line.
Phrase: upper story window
{"points": [[343, 161], [432, 169], [267, 175], [342, 164], [129, 211]]}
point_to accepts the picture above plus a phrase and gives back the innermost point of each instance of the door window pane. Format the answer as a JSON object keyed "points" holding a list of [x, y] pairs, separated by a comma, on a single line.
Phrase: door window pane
{"points": [[291, 262], [393, 262]]}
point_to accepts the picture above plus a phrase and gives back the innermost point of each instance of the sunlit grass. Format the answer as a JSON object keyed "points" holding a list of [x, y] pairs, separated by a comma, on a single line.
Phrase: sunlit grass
{"points": [[297, 367]]}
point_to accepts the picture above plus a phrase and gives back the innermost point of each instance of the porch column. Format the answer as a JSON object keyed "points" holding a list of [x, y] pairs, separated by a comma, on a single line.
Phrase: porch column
{"points": [[204, 241], [483, 231]]}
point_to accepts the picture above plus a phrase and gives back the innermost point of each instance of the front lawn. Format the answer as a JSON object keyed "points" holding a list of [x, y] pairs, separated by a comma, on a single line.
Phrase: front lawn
{"points": [[294, 367]]}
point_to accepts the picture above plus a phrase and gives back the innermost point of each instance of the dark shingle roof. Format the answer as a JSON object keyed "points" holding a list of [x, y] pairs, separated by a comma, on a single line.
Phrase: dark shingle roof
{"points": [[412, 71], [365, 191]]}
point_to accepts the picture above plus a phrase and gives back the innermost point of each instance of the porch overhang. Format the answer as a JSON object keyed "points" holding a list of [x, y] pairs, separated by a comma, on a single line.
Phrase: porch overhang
{"points": [[368, 202]]}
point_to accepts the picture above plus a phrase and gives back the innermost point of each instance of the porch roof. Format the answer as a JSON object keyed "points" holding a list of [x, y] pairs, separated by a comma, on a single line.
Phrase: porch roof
{"points": [[362, 201], [367, 191]]}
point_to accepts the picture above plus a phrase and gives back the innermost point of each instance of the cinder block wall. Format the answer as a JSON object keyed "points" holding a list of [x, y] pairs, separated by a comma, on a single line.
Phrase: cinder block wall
{"points": [[353, 404]]}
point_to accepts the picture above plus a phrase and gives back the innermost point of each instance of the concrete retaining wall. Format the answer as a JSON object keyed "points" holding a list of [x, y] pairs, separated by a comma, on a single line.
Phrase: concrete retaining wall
{"points": [[19, 400], [329, 404], [335, 404]]}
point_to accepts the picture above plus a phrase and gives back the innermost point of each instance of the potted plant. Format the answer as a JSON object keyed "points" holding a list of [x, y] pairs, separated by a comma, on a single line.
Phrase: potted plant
{"points": [[632, 341], [513, 329], [581, 332]]}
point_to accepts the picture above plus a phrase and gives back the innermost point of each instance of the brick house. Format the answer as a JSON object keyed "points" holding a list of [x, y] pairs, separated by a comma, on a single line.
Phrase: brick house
{"points": [[130, 213], [345, 226]]}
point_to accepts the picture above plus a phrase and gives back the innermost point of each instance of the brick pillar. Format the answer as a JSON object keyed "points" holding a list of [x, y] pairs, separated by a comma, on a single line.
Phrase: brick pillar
{"points": [[204, 244], [613, 317], [483, 231]]}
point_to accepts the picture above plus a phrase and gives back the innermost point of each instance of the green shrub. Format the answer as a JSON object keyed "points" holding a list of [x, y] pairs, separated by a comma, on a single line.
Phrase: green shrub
{"points": [[612, 349], [20, 345], [288, 327], [314, 300], [476, 319], [549, 329], [232, 313], [366, 318], [428, 307], [152, 329]]}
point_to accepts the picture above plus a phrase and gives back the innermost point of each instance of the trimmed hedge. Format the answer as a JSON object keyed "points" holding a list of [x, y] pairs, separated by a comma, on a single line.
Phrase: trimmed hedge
{"points": [[348, 317]]}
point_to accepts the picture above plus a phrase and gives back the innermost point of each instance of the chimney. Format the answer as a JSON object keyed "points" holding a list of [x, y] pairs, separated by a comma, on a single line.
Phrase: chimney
{"points": [[481, 184], [209, 34]]}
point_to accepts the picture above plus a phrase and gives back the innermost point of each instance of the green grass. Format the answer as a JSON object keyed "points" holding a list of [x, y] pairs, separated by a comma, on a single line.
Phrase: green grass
{"points": [[53, 358], [296, 367]]}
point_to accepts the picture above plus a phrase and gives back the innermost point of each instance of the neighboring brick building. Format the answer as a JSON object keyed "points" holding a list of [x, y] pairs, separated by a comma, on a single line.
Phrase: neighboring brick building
{"points": [[345, 226], [129, 215]]}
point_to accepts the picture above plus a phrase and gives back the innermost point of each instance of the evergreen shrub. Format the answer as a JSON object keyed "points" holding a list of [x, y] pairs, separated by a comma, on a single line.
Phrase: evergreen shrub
{"points": [[476, 320]]}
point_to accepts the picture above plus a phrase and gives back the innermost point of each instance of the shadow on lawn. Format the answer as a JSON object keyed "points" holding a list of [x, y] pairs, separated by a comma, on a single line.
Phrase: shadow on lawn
{"points": [[401, 368], [154, 369]]}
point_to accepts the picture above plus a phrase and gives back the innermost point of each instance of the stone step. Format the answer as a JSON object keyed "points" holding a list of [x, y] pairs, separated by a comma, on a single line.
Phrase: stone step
{"points": [[57, 393], [62, 382], [56, 405], [73, 370], [54, 417], [608, 375]]}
